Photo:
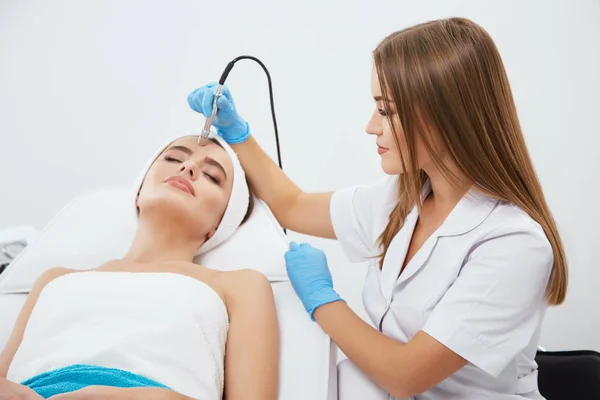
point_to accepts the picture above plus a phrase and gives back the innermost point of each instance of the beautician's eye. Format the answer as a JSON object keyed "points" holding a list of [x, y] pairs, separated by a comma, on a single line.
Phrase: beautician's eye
{"points": [[171, 159]]}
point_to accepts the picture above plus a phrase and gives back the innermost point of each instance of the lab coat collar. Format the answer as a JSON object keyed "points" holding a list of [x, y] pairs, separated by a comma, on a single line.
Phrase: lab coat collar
{"points": [[469, 213]]}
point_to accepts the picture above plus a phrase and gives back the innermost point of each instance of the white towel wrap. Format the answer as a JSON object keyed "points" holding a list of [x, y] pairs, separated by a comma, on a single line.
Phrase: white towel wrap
{"points": [[167, 327]]}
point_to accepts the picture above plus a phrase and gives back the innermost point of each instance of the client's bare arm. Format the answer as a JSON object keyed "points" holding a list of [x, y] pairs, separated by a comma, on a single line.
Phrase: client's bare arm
{"points": [[7, 388], [113, 393], [252, 353]]}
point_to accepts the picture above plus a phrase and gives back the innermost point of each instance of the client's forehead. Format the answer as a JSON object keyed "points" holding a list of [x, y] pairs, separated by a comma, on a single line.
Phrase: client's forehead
{"points": [[191, 143]]}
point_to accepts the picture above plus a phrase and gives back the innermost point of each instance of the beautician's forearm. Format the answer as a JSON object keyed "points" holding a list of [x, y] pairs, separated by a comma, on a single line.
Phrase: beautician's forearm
{"points": [[372, 352], [377, 355], [268, 181], [294, 209]]}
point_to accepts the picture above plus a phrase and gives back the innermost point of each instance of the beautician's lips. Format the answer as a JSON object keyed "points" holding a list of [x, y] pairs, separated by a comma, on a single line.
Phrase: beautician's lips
{"points": [[381, 149], [181, 183]]}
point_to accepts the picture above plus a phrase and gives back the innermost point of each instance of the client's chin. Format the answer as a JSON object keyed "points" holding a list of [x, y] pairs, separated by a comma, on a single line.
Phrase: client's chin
{"points": [[170, 207]]}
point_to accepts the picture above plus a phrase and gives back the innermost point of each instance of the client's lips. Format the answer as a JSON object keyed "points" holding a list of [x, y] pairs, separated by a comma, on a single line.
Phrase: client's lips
{"points": [[181, 183]]}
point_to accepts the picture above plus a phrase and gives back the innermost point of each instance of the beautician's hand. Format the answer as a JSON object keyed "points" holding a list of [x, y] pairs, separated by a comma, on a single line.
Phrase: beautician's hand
{"points": [[230, 126], [310, 276]]}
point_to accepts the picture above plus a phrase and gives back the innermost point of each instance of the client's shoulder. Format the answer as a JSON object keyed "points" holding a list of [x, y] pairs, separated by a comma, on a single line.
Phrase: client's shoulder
{"points": [[49, 275], [244, 284], [245, 279], [234, 278]]}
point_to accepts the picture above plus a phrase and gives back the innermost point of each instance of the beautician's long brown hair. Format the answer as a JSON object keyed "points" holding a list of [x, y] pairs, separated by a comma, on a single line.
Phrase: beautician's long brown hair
{"points": [[449, 74]]}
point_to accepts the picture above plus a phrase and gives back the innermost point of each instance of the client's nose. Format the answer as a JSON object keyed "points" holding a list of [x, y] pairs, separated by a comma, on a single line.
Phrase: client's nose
{"points": [[190, 169]]}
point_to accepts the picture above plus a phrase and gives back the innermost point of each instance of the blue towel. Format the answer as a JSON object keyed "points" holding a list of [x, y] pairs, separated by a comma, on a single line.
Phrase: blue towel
{"points": [[78, 376]]}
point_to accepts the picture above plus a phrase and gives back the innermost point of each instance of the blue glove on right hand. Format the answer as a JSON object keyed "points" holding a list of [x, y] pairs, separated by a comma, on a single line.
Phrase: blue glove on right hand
{"points": [[309, 273], [230, 126]]}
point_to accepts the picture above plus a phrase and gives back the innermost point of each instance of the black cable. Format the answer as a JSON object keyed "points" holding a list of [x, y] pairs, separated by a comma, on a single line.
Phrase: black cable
{"points": [[222, 82]]}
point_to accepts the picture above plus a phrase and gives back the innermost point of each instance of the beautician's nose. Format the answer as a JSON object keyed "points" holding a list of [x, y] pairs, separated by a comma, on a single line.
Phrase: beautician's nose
{"points": [[190, 169], [374, 126]]}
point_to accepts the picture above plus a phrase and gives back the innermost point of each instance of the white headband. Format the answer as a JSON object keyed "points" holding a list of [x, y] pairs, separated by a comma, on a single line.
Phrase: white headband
{"points": [[238, 201]]}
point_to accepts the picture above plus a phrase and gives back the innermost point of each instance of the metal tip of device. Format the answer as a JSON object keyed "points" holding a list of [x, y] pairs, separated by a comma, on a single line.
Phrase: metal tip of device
{"points": [[203, 141]]}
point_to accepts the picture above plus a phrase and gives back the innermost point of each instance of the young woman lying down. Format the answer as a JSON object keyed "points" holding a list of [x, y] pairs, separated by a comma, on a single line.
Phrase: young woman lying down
{"points": [[154, 325]]}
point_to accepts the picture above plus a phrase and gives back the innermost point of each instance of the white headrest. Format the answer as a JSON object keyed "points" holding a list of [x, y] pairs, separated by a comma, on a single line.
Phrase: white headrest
{"points": [[99, 226]]}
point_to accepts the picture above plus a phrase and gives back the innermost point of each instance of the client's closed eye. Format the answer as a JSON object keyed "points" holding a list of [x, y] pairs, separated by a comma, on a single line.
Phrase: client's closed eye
{"points": [[213, 178], [172, 159]]}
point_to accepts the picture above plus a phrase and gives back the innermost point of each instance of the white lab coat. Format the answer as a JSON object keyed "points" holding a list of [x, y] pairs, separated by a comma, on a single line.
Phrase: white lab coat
{"points": [[477, 285]]}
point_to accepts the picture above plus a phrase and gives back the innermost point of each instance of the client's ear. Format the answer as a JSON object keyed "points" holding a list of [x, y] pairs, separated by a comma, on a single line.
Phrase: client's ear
{"points": [[211, 233]]}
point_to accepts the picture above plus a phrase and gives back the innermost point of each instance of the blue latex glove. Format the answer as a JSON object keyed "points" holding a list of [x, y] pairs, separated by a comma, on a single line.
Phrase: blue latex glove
{"points": [[230, 126], [310, 276]]}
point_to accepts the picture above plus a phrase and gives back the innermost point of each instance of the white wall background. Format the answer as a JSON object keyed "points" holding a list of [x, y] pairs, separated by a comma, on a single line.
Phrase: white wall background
{"points": [[89, 89]]}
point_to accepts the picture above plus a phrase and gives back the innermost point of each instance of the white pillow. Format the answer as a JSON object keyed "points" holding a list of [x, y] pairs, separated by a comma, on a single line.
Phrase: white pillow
{"points": [[99, 226]]}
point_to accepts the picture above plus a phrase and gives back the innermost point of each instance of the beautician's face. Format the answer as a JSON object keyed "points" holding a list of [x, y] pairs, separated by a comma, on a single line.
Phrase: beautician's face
{"points": [[191, 182], [380, 126]]}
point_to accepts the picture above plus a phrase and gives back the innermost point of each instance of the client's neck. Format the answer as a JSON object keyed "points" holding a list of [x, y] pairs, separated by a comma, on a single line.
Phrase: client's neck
{"points": [[161, 242]]}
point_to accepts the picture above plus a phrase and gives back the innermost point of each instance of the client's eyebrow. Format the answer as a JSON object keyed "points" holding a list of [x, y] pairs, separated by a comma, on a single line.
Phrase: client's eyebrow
{"points": [[183, 149], [215, 163]]}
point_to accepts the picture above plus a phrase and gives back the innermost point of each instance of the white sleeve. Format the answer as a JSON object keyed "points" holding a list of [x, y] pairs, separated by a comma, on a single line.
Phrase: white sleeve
{"points": [[359, 214], [494, 307]]}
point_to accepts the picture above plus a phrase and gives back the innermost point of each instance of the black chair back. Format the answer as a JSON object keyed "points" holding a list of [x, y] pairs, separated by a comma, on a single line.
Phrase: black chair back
{"points": [[569, 375]]}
